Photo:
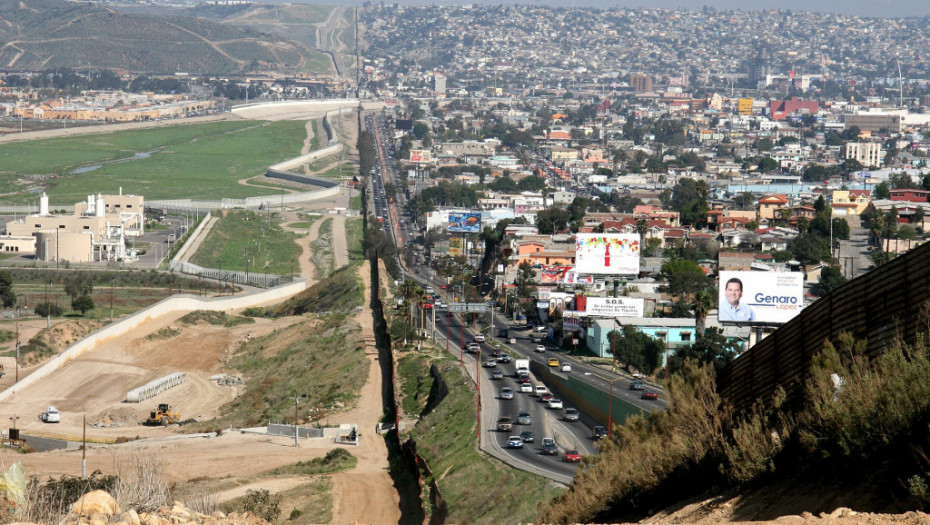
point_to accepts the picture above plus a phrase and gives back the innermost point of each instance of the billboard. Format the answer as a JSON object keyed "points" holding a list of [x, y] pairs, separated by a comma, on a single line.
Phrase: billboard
{"points": [[465, 222], [744, 106], [607, 253], [455, 247], [553, 274], [760, 297], [420, 155], [615, 306]]}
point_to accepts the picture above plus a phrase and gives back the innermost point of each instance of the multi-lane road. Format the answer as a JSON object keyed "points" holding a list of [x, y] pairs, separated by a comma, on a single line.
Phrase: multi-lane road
{"points": [[545, 422]]}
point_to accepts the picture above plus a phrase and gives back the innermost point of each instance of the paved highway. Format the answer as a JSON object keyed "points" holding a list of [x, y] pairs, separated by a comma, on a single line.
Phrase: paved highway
{"points": [[545, 422]]}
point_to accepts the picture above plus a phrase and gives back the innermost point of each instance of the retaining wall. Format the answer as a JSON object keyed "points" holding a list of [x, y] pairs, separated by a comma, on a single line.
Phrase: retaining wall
{"points": [[170, 305], [585, 397]]}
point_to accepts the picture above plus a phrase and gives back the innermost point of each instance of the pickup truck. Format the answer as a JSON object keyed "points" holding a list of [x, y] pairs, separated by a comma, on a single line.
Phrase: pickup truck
{"points": [[504, 424]]}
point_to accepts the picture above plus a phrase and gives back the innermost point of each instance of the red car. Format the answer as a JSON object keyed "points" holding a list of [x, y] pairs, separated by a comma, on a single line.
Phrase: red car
{"points": [[523, 380], [652, 396], [443, 286], [545, 398], [571, 456]]}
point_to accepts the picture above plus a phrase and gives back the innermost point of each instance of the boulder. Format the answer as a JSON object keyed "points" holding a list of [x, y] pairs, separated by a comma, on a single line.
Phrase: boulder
{"points": [[96, 502]]}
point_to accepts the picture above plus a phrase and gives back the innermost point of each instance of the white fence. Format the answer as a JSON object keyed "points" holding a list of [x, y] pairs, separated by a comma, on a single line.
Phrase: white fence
{"points": [[153, 388]]}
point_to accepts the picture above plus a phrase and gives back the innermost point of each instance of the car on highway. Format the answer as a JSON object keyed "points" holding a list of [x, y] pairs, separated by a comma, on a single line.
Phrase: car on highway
{"points": [[504, 357], [496, 353], [571, 456], [472, 348], [553, 362], [524, 418], [637, 385], [514, 442], [490, 363], [555, 404], [506, 393], [652, 396], [540, 390], [497, 374], [523, 379], [549, 448], [570, 414], [479, 338], [527, 436], [566, 367], [526, 388], [502, 333], [540, 348], [545, 398], [537, 339], [598, 432], [504, 424]]}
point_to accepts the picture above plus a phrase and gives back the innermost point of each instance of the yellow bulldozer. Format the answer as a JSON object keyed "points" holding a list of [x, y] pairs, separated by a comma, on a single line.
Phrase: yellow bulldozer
{"points": [[162, 415]]}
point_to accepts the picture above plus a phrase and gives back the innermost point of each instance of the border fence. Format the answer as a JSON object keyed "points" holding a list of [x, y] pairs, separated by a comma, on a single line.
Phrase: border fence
{"points": [[878, 307]]}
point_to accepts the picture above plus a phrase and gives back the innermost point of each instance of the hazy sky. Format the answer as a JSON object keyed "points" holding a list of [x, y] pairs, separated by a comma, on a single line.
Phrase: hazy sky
{"points": [[877, 8]]}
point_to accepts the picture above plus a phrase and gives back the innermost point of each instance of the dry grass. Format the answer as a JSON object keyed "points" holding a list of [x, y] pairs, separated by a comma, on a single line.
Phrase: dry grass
{"points": [[858, 415]]}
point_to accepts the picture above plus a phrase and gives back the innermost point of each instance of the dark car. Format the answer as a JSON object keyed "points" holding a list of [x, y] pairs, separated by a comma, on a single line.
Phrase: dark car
{"points": [[502, 333], [549, 448], [571, 456], [599, 432], [527, 436], [652, 396], [637, 385]]}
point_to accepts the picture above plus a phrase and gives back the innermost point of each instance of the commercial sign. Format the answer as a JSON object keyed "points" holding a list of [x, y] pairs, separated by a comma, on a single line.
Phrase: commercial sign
{"points": [[468, 307], [553, 274], [760, 297], [744, 106], [614, 306], [420, 155], [465, 222], [455, 247], [607, 253]]}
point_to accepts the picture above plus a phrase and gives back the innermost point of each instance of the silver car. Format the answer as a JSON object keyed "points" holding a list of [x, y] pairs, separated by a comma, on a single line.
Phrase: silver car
{"points": [[506, 393], [570, 414]]}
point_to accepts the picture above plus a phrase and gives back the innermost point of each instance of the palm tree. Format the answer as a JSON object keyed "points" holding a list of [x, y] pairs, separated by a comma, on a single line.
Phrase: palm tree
{"points": [[703, 302], [411, 292]]}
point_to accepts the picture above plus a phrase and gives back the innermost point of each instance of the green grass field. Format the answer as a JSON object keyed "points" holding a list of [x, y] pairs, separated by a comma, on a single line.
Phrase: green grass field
{"points": [[195, 161], [270, 249]]}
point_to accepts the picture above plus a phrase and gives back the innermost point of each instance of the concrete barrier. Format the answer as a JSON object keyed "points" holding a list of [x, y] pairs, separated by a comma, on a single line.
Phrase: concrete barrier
{"points": [[153, 388]]}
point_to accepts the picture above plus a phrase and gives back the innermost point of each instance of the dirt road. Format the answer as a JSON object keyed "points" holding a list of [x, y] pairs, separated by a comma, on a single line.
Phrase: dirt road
{"points": [[366, 494]]}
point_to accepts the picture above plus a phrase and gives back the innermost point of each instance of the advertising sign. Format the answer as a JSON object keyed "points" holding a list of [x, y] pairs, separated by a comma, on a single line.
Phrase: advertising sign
{"points": [[553, 274], [465, 222], [744, 106], [615, 306], [455, 247], [760, 297], [607, 253], [420, 155]]}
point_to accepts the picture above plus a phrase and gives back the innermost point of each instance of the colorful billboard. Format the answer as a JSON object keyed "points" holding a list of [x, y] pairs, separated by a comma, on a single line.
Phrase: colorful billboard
{"points": [[760, 297], [553, 274], [607, 253], [420, 155], [615, 306], [465, 222], [455, 247]]}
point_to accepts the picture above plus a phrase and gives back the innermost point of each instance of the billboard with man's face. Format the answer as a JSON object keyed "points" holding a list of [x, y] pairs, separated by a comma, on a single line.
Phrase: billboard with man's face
{"points": [[607, 253], [760, 297]]}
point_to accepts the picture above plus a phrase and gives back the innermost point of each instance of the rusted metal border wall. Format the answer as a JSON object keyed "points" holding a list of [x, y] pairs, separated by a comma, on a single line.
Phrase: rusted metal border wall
{"points": [[878, 307]]}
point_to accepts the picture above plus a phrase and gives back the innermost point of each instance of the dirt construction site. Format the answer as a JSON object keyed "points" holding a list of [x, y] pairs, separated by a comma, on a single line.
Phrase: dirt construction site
{"points": [[92, 388]]}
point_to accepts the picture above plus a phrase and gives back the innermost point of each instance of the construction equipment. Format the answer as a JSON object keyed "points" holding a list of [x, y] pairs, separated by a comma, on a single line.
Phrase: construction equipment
{"points": [[162, 415]]}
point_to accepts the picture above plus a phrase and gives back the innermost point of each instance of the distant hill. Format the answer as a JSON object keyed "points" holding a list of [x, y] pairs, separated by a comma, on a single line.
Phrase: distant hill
{"points": [[45, 34]]}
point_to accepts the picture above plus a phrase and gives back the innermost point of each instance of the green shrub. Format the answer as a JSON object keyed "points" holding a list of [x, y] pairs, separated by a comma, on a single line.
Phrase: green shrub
{"points": [[262, 504]]}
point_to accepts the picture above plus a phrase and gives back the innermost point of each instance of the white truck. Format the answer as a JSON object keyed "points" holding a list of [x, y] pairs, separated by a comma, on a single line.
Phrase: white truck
{"points": [[51, 415], [521, 366]]}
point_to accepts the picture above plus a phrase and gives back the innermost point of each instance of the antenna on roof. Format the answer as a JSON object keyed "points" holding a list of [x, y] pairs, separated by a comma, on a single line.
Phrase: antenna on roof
{"points": [[900, 84]]}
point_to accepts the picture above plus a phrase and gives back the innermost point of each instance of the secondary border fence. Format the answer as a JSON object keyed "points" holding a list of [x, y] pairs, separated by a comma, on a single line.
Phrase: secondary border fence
{"points": [[261, 280], [883, 305]]}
